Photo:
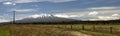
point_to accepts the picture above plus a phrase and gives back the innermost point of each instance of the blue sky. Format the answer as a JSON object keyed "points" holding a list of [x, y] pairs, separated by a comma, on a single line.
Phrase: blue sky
{"points": [[74, 9]]}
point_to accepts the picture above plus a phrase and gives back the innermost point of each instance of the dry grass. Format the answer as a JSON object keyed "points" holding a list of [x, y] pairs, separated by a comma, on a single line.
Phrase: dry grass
{"points": [[62, 30], [31, 30], [4, 32], [99, 30]]}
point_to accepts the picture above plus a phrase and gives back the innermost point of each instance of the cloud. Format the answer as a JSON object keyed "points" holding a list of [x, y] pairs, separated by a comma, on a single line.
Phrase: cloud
{"points": [[22, 16], [115, 15], [108, 14], [9, 3], [96, 14], [24, 10], [107, 18], [65, 16], [2, 19], [28, 1], [3, 0], [91, 1], [93, 13], [71, 15], [103, 8]]}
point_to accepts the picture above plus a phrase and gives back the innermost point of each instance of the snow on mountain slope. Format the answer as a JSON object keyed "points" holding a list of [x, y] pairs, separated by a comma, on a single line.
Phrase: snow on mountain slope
{"points": [[43, 18]]}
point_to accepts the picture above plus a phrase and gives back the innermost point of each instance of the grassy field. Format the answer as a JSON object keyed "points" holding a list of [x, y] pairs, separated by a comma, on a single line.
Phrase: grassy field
{"points": [[60, 30], [4, 31], [95, 30]]}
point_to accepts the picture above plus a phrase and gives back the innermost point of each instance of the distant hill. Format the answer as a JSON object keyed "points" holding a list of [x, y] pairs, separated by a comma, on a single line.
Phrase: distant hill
{"points": [[44, 19]]}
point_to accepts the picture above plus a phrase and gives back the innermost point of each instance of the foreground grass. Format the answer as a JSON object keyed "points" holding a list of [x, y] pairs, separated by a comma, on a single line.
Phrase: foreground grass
{"points": [[4, 32], [97, 33], [95, 30], [59, 30], [40, 30]]}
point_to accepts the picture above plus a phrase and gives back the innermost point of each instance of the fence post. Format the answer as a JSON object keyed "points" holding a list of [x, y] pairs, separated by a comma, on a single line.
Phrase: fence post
{"points": [[65, 26], [83, 28], [94, 28], [111, 29], [71, 26]]}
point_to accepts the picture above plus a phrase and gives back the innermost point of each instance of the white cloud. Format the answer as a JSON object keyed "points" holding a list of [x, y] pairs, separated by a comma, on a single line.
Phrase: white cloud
{"points": [[23, 10], [35, 16], [9, 3], [1, 16], [90, 2], [28, 1], [93, 13], [3, 0], [89, 15], [65, 16], [59, 0], [97, 14], [115, 15], [3, 20], [83, 15], [107, 18], [98, 8]]}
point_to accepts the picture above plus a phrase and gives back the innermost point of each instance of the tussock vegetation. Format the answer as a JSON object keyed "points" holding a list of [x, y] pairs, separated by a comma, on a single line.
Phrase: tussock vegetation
{"points": [[31, 30], [4, 32], [60, 30], [95, 30]]}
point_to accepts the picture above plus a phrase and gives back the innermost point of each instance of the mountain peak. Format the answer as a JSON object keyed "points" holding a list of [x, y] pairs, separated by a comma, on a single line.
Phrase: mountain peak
{"points": [[43, 18]]}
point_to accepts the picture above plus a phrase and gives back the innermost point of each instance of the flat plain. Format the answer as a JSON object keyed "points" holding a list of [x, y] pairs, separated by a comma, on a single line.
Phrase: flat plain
{"points": [[60, 30]]}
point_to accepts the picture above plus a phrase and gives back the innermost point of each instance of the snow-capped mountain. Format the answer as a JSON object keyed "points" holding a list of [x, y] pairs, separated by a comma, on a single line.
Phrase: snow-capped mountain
{"points": [[43, 18]]}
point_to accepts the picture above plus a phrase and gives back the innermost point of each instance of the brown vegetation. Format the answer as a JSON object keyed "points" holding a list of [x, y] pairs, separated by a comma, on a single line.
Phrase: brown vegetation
{"points": [[30, 30]]}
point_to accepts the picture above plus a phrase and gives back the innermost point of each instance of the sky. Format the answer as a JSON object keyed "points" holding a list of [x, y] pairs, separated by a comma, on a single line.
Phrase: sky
{"points": [[73, 9]]}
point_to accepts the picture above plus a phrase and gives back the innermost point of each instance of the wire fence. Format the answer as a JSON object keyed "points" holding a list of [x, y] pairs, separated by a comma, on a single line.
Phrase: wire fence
{"points": [[49, 30], [93, 28]]}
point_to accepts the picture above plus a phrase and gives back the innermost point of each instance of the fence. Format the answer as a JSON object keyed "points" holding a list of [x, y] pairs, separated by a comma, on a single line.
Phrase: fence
{"points": [[94, 28], [41, 28]]}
